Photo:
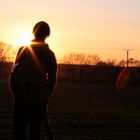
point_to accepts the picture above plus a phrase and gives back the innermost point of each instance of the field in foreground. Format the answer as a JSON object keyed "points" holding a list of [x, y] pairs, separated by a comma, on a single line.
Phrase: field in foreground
{"points": [[84, 112]]}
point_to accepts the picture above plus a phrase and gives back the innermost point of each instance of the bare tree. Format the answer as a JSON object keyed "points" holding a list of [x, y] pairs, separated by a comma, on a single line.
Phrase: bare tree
{"points": [[6, 52], [138, 63], [122, 63], [81, 59], [92, 59], [6, 55], [134, 63], [101, 63], [111, 62]]}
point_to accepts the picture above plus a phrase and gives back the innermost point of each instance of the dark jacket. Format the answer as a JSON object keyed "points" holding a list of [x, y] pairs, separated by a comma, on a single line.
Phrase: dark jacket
{"points": [[35, 72]]}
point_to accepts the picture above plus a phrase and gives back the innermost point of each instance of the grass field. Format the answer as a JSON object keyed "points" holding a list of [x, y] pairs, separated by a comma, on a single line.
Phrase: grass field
{"points": [[84, 112]]}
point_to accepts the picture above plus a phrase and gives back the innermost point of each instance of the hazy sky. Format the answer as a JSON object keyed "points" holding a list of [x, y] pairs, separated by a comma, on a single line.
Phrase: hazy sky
{"points": [[103, 27]]}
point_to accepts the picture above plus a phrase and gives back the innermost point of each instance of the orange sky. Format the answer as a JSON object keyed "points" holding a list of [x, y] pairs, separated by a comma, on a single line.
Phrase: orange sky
{"points": [[103, 27]]}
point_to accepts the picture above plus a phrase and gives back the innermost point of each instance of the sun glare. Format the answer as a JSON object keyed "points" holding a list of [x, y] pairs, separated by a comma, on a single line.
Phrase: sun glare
{"points": [[24, 39]]}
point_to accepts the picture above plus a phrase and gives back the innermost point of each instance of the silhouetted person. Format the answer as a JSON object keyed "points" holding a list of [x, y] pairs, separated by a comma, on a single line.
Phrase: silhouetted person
{"points": [[32, 82]]}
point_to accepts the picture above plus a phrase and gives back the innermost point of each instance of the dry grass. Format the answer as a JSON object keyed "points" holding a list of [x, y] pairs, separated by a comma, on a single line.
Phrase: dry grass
{"points": [[84, 112]]}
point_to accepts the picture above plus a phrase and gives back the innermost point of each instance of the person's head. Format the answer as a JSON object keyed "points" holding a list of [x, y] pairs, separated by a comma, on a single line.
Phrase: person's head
{"points": [[41, 30]]}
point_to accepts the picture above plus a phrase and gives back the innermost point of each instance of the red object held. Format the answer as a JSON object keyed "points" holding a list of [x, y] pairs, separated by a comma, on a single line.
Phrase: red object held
{"points": [[123, 78]]}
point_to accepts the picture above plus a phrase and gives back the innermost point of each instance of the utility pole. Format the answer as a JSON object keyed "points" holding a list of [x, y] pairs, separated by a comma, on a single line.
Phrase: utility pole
{"points": [[127, 56]]}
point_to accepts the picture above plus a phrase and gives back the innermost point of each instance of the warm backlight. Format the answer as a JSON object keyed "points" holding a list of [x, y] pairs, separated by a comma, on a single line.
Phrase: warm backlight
{"points": [[24, 39]]}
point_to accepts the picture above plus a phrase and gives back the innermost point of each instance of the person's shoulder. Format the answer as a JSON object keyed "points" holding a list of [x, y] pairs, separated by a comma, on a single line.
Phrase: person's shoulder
{"points": [[21, 49], [47, 48]]}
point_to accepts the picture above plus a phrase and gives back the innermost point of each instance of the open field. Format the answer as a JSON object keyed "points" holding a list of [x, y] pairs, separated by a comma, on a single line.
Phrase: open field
{"points": [[84, 112]]}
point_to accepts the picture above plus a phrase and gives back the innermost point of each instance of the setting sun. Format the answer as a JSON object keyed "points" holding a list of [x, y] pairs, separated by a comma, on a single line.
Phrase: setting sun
{"points": [[24, 39], [101, 27]]}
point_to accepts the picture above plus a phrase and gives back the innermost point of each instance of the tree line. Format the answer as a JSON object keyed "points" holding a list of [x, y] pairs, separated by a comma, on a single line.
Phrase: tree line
{"points": [[8, 52], [78, 67], [94, 59]]}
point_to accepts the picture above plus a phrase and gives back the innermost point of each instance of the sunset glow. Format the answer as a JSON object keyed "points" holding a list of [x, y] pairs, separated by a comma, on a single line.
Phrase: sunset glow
{"points": [[23, 39], [102, 27]]}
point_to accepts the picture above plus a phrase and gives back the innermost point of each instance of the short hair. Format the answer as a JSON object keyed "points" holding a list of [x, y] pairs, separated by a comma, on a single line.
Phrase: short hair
{"points": [[41, 30]]}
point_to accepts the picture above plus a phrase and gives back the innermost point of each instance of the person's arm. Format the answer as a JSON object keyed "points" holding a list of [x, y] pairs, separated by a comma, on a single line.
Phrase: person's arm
{"points": [[19, 54], [15, 86], [52, 73]]}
